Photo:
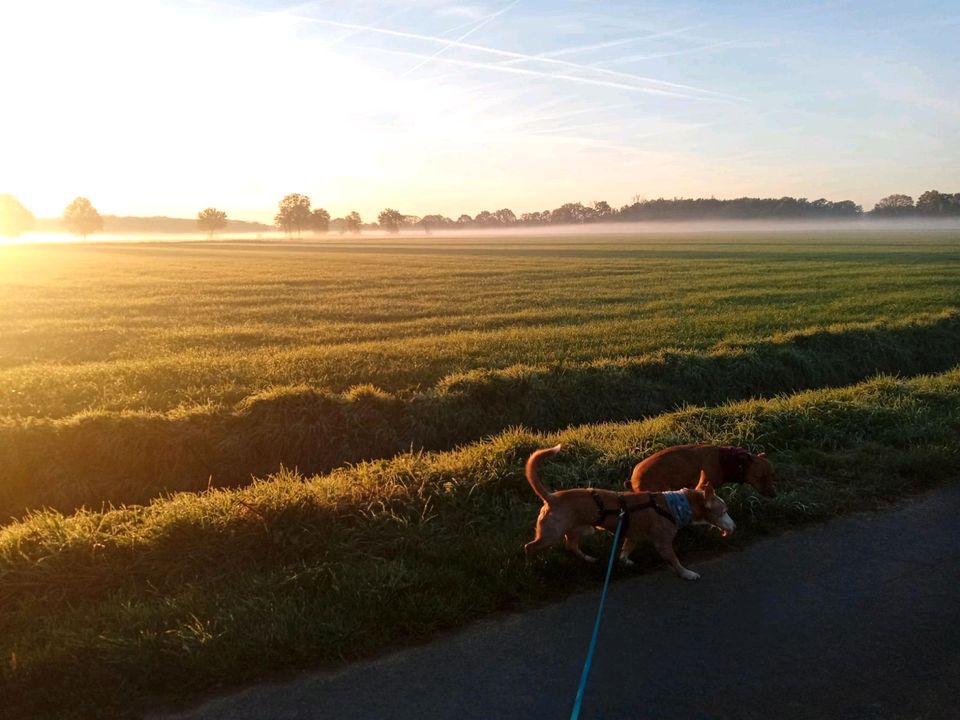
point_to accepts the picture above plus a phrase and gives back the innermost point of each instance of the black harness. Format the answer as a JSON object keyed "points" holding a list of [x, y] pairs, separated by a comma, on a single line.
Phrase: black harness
{"points": [[624, 511], [650, 504]]}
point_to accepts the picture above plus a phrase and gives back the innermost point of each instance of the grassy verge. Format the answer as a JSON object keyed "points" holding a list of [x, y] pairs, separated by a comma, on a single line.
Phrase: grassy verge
{"points": [[130, 457], [101, 613]]}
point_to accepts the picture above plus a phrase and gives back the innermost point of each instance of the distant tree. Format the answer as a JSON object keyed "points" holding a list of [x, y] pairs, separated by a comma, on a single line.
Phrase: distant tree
{"points": [[894, 205], [211, 221], [353, 222], [434, 222], [390, 220], [485, 218], [936, 203], [464, 221], [294, 214], [15, 219], [81, 218], [320, 220], [571, 213], [505, 216], [602, 209]]}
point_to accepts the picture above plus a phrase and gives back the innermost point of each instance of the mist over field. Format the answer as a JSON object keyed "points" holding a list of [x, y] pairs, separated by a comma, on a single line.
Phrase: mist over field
{"points": [[840, 231]]}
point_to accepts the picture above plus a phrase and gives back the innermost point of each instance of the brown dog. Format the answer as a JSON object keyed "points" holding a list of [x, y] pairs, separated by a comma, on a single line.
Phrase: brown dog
{"points": [[681, 467], [654, 516]]}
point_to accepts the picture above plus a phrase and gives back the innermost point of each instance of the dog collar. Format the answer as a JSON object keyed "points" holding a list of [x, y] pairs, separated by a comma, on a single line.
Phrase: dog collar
{"points": [[733, 463], [679, 507]]}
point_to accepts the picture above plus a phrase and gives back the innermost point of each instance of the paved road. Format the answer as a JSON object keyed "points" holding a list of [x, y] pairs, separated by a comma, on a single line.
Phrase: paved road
{"points": [[859, 618]]}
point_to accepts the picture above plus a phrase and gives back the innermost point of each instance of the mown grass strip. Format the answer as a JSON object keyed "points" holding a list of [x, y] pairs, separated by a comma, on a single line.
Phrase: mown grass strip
{"points": [[107, 611], [131, 457]]}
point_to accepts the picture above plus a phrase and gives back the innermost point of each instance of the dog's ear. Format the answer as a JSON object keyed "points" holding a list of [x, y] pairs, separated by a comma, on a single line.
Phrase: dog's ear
{"points": [[703, 485]]}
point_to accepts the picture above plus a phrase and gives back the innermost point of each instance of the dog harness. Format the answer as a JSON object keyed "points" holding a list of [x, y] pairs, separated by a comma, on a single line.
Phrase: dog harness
{"points": [[733, 463], [679, 506], [650, 504]]}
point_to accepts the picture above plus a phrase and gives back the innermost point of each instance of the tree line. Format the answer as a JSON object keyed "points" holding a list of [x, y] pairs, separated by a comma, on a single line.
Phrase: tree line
{"points": [[296, 216]]}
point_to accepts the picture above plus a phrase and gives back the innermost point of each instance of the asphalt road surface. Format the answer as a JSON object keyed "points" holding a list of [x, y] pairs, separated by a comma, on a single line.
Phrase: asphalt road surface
{"points": [[858, 618]]}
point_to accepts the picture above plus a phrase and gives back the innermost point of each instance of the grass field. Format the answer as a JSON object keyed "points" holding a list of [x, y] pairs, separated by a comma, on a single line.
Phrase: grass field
{"points": [[166, 327], [131, 370], [128, 371]]}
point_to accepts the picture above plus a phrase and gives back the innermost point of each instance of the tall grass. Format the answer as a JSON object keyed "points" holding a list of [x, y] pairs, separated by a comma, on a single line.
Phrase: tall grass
{"points": [[128, 457], [104, 610]]}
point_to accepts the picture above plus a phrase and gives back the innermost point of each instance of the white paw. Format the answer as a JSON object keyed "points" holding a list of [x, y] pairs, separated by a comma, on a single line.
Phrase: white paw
{"points": [[589, 558], [626, 561], [690, 575]]}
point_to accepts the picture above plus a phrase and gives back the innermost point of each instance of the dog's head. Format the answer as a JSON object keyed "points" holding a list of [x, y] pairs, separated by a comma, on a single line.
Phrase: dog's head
{"points": [[709, 509], [759, 473]]}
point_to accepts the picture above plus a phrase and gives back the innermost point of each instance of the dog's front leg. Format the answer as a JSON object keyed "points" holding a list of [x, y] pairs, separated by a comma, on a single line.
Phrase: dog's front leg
{"points": [[628, 546], [667, 553]]}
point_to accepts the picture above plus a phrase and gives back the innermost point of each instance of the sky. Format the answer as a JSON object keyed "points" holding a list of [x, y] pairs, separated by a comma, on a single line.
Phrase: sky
{"points": [[152, 107]]}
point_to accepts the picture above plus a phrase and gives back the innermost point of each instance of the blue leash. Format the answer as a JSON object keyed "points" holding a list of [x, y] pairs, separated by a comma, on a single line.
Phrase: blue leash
{"points": [[596, 626]]}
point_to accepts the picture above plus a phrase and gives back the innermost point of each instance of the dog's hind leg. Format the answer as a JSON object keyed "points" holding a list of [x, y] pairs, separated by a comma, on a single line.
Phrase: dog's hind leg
{"points": [[548, 533], [571, 541], [667, 553], [628, 547]]}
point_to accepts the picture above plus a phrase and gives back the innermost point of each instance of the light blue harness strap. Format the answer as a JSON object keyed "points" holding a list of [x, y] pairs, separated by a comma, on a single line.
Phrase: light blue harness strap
{"points": [[596, 626], [679, 507]]}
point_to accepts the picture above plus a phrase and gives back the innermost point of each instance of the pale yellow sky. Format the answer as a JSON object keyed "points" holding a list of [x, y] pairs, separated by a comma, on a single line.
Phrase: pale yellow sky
{"points": [[165, 107]]}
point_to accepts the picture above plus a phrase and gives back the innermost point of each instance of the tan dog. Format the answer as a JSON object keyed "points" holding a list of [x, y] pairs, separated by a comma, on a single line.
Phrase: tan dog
{"points": [[682, 466], [654, 516]]}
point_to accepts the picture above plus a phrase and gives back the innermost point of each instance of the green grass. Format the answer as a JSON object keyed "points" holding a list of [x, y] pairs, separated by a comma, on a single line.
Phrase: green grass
{"points": [[128, 370], [103, 612], [130, 456], [164, 327]]}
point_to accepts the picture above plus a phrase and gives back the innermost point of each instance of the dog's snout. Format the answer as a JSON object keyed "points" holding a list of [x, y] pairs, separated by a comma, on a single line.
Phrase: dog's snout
{"points": [[727, 524]]}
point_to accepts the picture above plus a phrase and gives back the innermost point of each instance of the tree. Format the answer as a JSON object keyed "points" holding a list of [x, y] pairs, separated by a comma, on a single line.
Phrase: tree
{"points": [[15, 219], [933, 202], [505, 216], [81, 218], [353, 222], [485, 218], [894, 205], [390, 220], [294, 214], [464, 221], [429, 222], [602, 209], [211, 221], [320, 220], [571, 213]]}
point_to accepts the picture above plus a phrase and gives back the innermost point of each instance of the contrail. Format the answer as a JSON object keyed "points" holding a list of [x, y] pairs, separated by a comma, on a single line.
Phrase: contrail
{"points": [[509, 54], [514, 55], [601, 46], [672, 53], [539, 73], [485, 21]]}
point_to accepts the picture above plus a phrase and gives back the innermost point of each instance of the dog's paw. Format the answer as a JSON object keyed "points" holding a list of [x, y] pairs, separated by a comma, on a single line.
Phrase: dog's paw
{"points": [[690, 575], [589, 558], [627, 562]]}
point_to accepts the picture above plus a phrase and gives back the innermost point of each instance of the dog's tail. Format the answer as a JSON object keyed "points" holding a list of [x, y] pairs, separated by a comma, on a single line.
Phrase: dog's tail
{"points": [[532, 476]]}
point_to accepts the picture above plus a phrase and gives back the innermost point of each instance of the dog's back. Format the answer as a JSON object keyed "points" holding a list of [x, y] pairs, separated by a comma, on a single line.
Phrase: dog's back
{"points": [[676, 468]]}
